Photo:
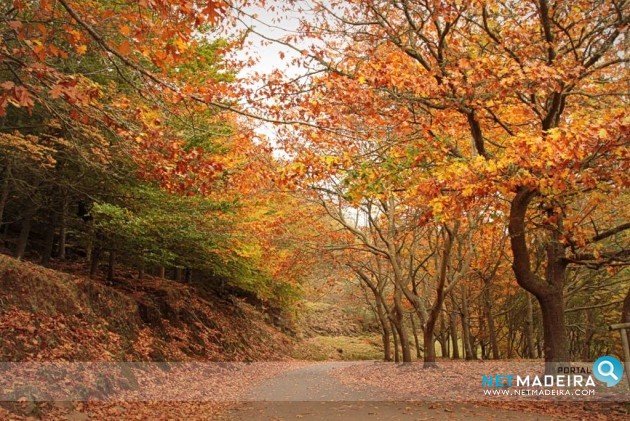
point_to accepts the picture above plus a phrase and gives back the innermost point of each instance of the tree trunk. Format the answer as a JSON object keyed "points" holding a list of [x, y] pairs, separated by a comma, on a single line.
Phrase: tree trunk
{"points": [[466, 335], [405, 348], [162, 272], [549, 294], [91, 240], [61, 254], [466, 344], [492, 333], [402, 332], [6, 187], [448, 345], [454, 338], [415, 337], [387, 345], [510, 342], [95, 257], [443, 337], [429, 349], [589, 332], [384, 322], [178, 274], [111, 266], [555, 345], [49, 240], [529, 326], [395, 337], [552, 306], [27, 221], [443, 341], [625, 316], [429, 329]]}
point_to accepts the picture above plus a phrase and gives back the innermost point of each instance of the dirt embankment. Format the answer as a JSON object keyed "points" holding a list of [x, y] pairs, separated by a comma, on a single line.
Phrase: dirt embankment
{"points": [[48, 315]]}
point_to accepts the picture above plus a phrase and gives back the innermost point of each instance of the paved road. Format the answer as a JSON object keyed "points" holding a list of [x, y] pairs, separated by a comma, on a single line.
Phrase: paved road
{"points": [[313, 393]]}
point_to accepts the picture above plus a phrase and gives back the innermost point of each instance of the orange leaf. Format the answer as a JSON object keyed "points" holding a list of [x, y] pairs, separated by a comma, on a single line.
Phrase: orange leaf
{"points": [[125, 48]]}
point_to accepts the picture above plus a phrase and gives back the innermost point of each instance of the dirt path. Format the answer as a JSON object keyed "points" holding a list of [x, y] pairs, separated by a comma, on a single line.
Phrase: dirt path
{"points": [[313, 393]]}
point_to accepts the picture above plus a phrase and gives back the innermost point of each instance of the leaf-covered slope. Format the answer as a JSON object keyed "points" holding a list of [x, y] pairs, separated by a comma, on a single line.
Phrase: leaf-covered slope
{"points": [[49, 315], [320, 318]]}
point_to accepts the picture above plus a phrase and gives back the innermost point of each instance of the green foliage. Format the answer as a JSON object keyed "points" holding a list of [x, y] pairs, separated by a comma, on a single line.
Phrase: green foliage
{"points": [[163, 229], [150, 227]]}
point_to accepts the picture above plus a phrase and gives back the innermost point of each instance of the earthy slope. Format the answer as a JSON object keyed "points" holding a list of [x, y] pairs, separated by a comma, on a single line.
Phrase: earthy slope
{"points": [[336, 332], [48, 315]]}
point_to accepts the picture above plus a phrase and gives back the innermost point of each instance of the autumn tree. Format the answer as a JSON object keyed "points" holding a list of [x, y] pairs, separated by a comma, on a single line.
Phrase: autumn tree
{"points": [[117, 142], [519, 102]]}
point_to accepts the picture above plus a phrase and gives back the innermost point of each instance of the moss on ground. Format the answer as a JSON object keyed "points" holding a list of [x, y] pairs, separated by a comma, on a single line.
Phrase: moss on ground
{"points": [[320, 348]]}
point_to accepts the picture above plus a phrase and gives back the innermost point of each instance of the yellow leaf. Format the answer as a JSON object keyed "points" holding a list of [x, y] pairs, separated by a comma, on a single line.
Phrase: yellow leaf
{"points": [[554, 134], [81, 49], [181, 44], [126, 30]]}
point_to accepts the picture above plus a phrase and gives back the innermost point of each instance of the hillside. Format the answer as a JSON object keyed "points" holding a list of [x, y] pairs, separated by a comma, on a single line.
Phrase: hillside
{"points": [[49, 315], [334, 332]]}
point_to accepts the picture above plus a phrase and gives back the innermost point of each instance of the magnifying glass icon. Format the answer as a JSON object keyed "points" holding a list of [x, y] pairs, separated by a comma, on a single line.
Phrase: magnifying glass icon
{"points": [[607, 373]]}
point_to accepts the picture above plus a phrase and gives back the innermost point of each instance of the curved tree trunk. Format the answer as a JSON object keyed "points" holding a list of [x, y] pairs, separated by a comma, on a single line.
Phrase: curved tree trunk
{"points": [[550, 294], [429, 329]]}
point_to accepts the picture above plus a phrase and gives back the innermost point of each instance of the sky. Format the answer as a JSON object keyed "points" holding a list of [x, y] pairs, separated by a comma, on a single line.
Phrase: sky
{"points": [[271, 24], [274, 25]]}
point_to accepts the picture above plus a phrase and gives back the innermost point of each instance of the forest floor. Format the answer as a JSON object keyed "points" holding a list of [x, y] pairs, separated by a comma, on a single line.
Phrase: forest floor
{"points": [[47, 315], [314, 392], [310, 391], [455, 385], [54, 316]]}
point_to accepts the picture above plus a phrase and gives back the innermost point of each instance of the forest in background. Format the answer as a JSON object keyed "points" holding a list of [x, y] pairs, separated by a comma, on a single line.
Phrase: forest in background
{"points": [[458, 169]]}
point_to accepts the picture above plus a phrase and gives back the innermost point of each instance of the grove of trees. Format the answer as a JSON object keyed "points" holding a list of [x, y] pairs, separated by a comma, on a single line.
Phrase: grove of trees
{"points": [[464, 162], [117, 151], [469, 137]]}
